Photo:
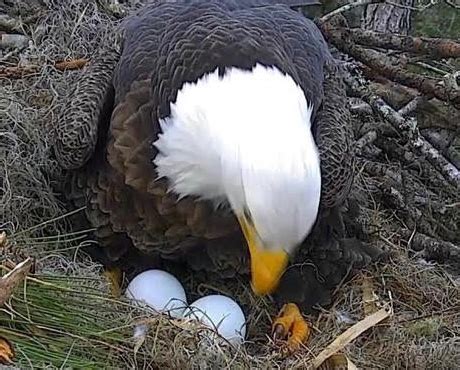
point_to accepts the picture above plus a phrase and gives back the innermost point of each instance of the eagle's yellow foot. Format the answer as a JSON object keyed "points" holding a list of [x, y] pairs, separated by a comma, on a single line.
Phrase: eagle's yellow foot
{"points": [[114, 277], [291, 326]]}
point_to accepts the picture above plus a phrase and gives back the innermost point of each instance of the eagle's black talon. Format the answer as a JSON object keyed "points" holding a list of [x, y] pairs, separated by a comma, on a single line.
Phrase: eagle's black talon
{"points": [[279, 333]]}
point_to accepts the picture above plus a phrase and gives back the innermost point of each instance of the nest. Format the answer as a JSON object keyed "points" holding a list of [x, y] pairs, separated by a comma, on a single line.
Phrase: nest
{"points": [[64, 315]]}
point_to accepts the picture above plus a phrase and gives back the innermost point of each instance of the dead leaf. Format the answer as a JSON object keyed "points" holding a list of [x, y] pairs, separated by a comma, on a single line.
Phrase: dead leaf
{"points": [[6, 352], [13, 278], [338, 361], [370, 299], [350, 334]]}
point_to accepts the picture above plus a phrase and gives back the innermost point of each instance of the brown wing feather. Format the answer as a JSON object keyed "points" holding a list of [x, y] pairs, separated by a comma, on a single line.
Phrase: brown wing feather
{"points": [[334, 137], [122, 196], [76, 131]]}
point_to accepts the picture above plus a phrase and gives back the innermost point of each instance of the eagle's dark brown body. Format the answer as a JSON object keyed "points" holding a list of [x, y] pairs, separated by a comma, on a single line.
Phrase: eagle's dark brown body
{"points": [[106, 133]]}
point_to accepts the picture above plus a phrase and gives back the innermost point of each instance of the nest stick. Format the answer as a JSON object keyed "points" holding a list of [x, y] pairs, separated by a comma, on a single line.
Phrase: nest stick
{"points": [[436, 47], [365, 140], [411, 106], [348, 7], [439, 250], [23, 71], [408, 127], [382, 64]]}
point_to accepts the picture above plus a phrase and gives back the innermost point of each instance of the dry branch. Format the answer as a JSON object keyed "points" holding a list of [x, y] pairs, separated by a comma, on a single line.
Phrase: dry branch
{"points": [[10, 24], [24, 71], [411, 106], [416, 61], [71, 64], [348, 7], [433, 249], [365, 140], [444, 146], [13, 41], [381, 64], [452, 4], [411, 215], [18, 72], [396, 152], [361, 108], [435, 47], [377, 169], [448, 170], [407, 127]]}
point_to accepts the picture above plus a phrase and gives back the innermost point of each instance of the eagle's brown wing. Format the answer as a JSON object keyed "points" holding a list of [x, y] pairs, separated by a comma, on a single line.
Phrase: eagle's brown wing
{"points": [[334, 136], [85, 110]]}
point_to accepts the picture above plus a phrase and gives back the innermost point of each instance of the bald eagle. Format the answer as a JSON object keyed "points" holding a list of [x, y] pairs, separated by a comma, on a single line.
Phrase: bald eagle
{"points": [[217, 124]]}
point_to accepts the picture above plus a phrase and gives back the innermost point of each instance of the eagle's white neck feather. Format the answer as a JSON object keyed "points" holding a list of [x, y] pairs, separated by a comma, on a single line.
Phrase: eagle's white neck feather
{"points": [[245, 137]]}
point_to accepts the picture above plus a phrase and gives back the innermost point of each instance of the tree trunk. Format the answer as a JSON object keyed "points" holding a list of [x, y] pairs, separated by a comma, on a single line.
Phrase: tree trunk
{"points": [[389, 18]]}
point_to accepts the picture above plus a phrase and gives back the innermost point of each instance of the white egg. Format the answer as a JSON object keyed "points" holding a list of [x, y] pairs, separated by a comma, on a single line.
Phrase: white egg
{"points": [[220, 313], [160, 290]]}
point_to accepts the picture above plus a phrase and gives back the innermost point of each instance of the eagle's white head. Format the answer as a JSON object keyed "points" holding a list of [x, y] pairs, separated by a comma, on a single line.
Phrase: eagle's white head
{"points": [[245, 138]]}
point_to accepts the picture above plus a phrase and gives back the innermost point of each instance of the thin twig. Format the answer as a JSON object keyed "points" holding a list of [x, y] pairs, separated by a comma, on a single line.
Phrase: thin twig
{"points": [[429, 67], [348, 7], [414, 8]]}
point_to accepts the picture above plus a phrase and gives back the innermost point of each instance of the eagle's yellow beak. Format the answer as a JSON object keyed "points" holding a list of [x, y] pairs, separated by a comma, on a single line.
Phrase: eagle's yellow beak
{"points": [[267, 266]]}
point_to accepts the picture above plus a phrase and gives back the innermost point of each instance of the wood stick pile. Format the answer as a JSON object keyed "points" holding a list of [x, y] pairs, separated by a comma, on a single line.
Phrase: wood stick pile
{"points": [[407, 130]]}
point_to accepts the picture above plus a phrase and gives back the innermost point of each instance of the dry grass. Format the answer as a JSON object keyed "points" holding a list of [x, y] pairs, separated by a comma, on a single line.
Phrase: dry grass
{"points": [[67, 30], [71, 298], [64, 315]]}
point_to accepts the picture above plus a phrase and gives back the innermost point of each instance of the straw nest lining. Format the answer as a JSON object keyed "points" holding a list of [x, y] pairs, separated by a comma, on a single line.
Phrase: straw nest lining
{"points": [[64, 315]]}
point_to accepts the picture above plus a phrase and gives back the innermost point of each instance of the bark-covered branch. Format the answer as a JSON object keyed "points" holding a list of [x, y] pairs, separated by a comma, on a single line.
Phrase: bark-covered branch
{"points": [[407, 127], [348, 7], [432, 248], [381, 64], [365, 140], [23, 71], [411, 106], [452, 4], [435, 47]]}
